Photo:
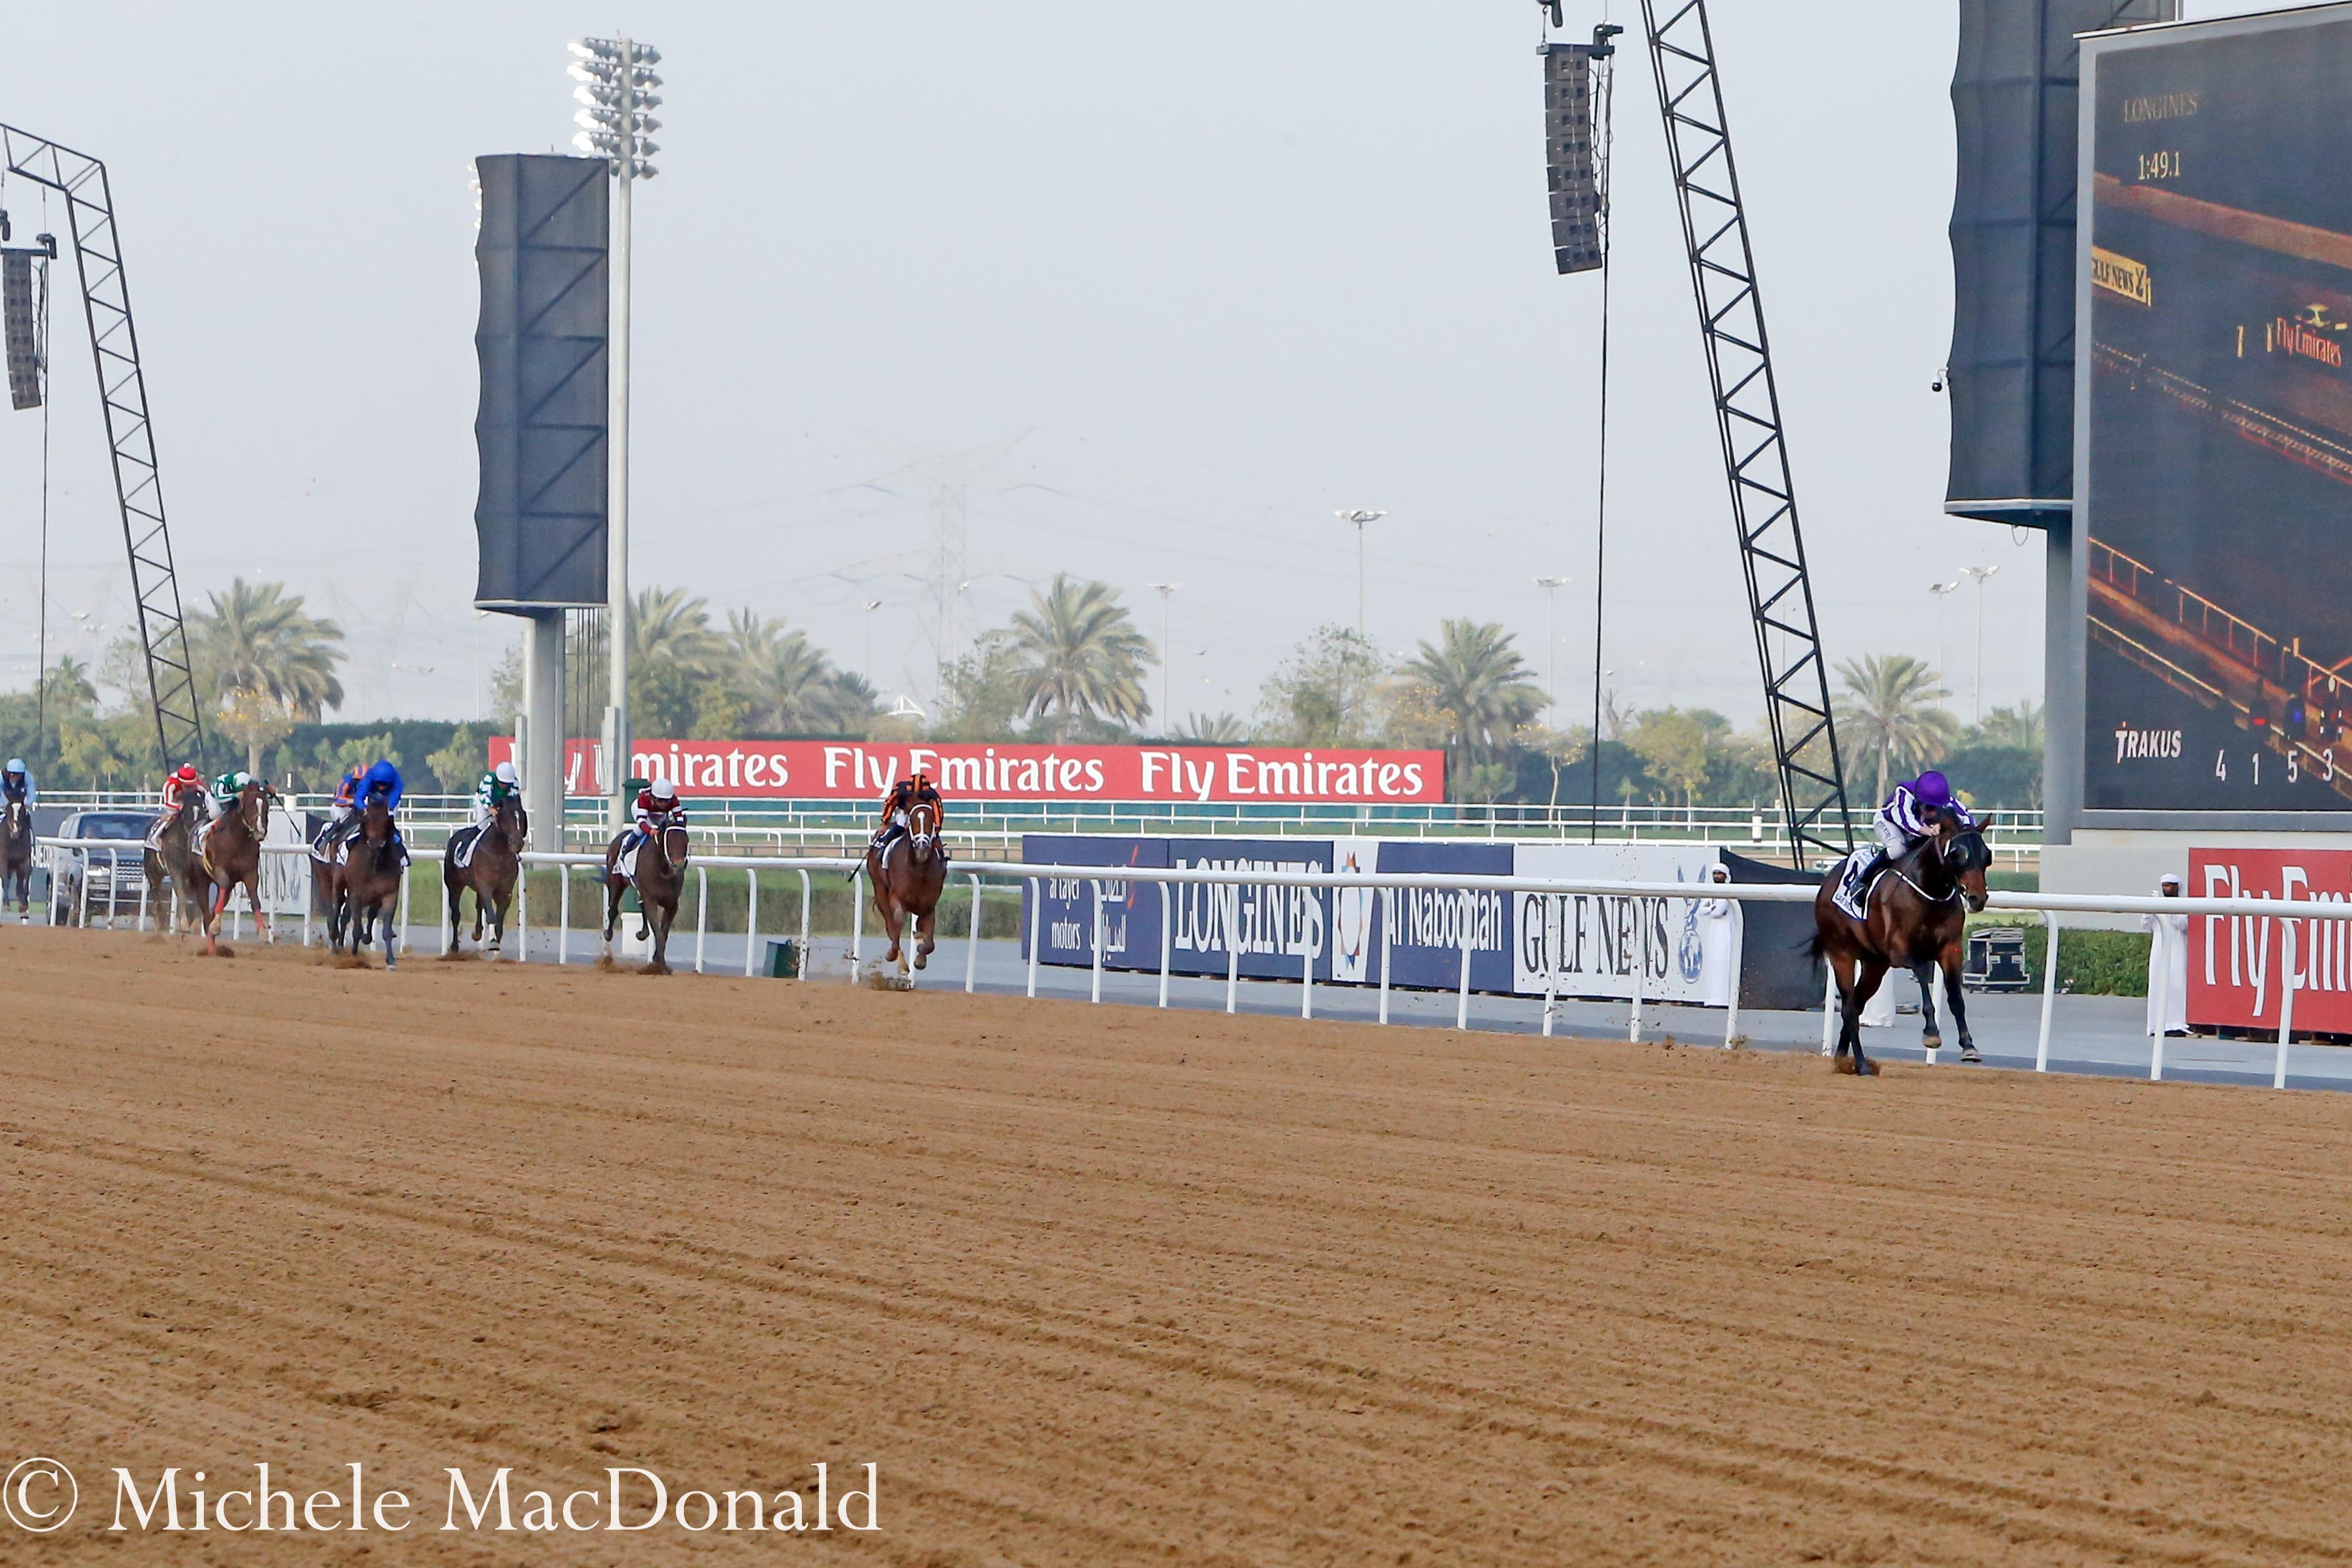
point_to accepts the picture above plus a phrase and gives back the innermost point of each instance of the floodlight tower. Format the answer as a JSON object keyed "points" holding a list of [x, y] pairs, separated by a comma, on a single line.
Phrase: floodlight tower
{"points": [[617, 96]]}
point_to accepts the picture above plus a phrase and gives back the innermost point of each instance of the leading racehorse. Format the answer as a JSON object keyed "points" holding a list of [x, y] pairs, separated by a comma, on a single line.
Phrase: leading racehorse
{"points": [[16, 880], [1919, 908], [488, 874], [659, 875], [365, 886], [907, 871], [230, 857], [169, 866]]}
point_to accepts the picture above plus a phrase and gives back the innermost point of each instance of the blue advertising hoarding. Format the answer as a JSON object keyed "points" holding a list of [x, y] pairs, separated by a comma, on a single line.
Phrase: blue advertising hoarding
{"points": [[1425, 951], [1063, 907]]}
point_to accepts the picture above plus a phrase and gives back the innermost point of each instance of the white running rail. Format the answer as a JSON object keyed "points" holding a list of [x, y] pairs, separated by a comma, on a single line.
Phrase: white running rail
{"points": [[982, 875]]}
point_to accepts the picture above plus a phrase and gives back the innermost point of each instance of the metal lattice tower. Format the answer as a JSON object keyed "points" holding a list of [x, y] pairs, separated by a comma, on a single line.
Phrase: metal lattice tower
{"points": [[122, 389], [1748, 418]]}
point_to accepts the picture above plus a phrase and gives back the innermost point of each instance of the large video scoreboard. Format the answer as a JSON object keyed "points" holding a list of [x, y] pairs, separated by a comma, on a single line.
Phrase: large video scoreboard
{"points": [[2212, 547]]}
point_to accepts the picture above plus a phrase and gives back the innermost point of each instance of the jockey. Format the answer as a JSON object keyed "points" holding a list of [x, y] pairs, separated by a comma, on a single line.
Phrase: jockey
{"points": [[498, 785], [179, 788], [16, 784], [382, 781], [226, 788], [342, 807], [658, 806], [1912, 813], [903, 797]]}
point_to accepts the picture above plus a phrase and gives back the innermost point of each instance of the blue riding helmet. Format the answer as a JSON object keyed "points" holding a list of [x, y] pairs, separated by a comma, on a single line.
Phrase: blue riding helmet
{"points": [[1933, 789], [16, 765]]}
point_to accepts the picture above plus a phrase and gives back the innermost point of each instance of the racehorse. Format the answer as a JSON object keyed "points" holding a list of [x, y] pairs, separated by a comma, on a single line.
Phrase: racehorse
{"points": [[659, 876], [16, 870], [1918, 907], [907, 872], [489, 875], [170, 865], [364, 887], [230, 857]]}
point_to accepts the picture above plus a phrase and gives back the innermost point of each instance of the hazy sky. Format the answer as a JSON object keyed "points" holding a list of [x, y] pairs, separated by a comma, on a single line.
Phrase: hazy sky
{"points": [[1220, 268]]}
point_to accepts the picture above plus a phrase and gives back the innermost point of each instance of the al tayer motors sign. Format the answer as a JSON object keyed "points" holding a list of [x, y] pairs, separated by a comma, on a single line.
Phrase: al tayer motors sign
{"points": [[861, 770]]}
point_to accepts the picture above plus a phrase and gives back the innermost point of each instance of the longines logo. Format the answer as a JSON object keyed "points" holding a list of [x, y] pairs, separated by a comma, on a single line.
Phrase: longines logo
{"points": [[2134, 745]]}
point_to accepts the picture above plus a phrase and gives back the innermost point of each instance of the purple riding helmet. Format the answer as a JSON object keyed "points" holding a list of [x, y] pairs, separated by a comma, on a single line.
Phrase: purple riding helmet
{"points": [[1934, 789]]}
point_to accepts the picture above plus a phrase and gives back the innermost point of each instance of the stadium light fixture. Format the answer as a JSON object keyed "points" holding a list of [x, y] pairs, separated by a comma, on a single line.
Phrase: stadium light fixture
{"points": [[1551, 587], [1360, 516], [1980, 574], [618, 86]]}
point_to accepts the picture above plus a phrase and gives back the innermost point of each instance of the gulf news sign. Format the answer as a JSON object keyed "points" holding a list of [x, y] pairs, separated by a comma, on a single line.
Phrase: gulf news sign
{"points": [[854, 770]]}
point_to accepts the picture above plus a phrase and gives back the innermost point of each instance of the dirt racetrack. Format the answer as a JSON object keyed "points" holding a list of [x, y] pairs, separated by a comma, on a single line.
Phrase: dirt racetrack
{"points": [[1105, 1286]]}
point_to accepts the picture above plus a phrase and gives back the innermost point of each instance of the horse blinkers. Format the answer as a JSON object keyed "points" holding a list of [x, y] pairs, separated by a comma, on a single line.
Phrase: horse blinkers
{"points": [[675, 833], [1966, 858]]}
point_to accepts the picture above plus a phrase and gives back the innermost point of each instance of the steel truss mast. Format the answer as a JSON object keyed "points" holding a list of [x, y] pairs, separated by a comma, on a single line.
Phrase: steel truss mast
{"points": [[122, 389], [1748, 418]]}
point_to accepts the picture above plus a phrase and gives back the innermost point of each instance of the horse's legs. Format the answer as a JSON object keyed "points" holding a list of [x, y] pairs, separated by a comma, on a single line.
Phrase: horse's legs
{"points": [[924, 941], [612, 887], [660, 964], [391, 936], [1872, 973], [1924, 973], [1951, 966], [260, 915]]}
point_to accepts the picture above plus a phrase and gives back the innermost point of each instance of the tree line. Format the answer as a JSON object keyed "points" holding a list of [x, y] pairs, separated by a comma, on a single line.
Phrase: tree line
{"points": [[1069, 666]]}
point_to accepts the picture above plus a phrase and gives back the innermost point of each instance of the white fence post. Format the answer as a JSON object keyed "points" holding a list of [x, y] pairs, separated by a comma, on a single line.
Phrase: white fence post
{"points": [[808, 898], [1738, 946], [1828, 1008], [1388, 942], [972, 947], [1167, 941], [2049, 987], [1311, 938], [751, 923], [1037, 896], [1461, 999], [563, 912], [1641, 965], [2289, 984], [1234, 947], [857, 924], [1094, 993]]}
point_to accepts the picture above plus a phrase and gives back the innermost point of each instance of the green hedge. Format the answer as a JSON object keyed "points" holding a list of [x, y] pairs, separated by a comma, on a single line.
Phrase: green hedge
{"points": [[2090, 963]]}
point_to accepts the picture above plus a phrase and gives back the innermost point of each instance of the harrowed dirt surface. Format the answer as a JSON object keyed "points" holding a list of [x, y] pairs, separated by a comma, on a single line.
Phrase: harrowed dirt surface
{"points": [[1106, 1286]]}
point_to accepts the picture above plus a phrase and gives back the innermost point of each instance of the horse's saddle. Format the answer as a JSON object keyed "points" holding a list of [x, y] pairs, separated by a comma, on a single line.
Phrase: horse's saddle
{"points": [[624, 864], [462, 843], [197, 837], [1852, 894]]}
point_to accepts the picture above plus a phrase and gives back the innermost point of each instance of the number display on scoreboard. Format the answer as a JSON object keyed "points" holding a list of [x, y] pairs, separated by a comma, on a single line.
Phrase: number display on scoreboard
{"points": [[2217, 482]]}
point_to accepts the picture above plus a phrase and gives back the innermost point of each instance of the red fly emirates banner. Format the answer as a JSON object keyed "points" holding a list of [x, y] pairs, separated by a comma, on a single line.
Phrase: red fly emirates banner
{"points": [[860, 770], [2237, 963]]}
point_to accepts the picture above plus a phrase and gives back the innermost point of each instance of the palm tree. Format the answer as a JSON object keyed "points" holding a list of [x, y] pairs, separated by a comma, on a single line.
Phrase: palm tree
{"points": [[1474, 677], [668, 627], [786, 678], [1889, 709], [1075, 652], [2019, 726], [257, 639], [1213, 729]]}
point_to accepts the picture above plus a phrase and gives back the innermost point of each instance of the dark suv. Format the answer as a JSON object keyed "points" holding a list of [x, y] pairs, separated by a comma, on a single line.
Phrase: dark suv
{"points": [[118, 878]]}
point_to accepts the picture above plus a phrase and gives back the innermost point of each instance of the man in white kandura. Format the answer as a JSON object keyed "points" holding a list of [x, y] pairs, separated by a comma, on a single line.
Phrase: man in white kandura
{"points": [[1718, 926], [2168, 964]]}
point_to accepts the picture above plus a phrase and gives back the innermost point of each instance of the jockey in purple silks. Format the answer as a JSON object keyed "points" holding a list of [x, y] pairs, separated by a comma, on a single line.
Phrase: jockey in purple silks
{"points": [[1912, 813]]}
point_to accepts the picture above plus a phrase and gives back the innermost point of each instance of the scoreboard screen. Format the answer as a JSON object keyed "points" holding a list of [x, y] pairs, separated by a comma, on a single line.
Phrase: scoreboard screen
{"points": [[2213, 547]]}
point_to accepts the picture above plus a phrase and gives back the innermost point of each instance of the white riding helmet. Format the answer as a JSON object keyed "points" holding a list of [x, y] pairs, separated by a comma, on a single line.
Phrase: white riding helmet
{"points": [[505, 773], [665, 790]]}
